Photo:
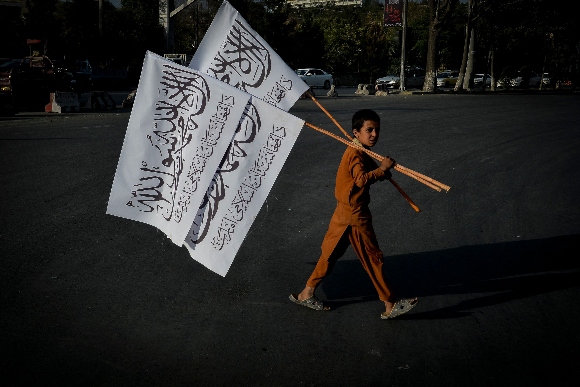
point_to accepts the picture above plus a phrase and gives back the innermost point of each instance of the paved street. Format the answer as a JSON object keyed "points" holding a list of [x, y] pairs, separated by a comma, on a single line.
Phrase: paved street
{"points": [[89, 299]]}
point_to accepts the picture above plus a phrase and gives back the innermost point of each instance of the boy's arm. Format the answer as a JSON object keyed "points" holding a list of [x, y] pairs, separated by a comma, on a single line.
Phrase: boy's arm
{"points": [[363, 177]]}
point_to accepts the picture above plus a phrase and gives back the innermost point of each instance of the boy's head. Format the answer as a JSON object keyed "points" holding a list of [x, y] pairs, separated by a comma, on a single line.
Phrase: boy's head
{"points": [[366, 127]]}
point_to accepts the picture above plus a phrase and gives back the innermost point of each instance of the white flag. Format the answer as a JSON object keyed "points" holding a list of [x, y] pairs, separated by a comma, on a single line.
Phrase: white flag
{"points": [[180, 127], [234, 53], [241, 185]]}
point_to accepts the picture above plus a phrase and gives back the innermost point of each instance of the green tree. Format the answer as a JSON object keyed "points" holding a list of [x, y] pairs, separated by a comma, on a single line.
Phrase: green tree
{"points": [[39, 20], [78, 23], [139, 31], [12, 44], [440, 12], [417, 34]]}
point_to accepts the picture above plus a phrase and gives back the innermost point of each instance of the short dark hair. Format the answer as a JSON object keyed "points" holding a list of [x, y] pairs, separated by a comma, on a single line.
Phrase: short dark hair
{"points": [[359, 118]]}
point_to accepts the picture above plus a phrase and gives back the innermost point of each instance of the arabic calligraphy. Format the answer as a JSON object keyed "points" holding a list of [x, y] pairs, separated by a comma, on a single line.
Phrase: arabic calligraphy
{"points": [[203, 152], [182, 96], [251, 183], [245, 134], [242, 61]]}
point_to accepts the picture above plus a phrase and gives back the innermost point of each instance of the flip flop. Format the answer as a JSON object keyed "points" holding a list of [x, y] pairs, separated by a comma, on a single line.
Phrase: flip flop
{"points": [[400, 307], [312, 302]]}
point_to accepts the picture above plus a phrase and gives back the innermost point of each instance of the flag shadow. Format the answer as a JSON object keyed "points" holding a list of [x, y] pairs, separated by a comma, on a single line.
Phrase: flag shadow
{"points": [[510, 270]]}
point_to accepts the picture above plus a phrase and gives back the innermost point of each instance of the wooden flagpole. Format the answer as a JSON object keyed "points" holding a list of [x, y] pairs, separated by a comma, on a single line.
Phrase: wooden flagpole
{"points": [[353, 145], [432, 183]]}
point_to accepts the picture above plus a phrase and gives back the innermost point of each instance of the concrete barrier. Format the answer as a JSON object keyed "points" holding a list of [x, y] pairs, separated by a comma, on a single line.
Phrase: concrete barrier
{"points": [[332, 92], [63, 102], [381, 90], [100, 100], [365, 89]]}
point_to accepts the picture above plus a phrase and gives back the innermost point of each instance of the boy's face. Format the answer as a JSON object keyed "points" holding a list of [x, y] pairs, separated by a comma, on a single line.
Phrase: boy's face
{"points": [[368, 135]]}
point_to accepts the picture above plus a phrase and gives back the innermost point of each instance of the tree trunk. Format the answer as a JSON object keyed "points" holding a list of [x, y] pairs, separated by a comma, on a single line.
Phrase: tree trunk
{"points": [[439, 14], [487, 70], [430, 82], [403, 46], [467, 80], [459, 83], [543, 71], [492, 68], [461, 76]]}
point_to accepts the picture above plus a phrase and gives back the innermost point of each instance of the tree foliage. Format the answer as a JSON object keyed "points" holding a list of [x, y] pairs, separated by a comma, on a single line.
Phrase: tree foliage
{"points": [[348, 41]]}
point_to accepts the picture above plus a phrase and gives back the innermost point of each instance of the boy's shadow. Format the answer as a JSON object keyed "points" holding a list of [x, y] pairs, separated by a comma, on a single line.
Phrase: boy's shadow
{"points": [[510, 271]]}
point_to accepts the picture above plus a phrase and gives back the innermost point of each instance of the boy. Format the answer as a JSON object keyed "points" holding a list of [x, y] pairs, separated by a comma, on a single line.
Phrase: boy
{"points": [[351, 222]]}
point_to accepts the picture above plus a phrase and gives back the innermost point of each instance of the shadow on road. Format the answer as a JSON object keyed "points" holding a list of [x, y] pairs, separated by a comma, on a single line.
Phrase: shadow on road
{"points": [[510, 270]]}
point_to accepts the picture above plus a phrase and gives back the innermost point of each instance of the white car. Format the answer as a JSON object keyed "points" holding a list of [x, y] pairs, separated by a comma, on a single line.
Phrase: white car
{"points": [[546, 79], [315, 77], [478, 80], [392, 81], [517, 81], [535, 80], [447, 78]]}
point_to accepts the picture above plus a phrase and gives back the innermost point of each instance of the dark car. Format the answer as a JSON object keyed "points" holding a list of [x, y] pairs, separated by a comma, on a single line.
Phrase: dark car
{"points": [[7, 105], [34, 78], [414, 79], [83, 73]]}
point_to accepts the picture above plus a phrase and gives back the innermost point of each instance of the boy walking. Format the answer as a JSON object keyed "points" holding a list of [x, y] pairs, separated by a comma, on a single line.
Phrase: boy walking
{"points": [[351, 223]]}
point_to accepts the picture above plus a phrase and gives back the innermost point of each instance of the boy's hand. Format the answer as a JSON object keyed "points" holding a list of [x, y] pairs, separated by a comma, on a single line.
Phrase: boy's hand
{"points": [[387, 163]]}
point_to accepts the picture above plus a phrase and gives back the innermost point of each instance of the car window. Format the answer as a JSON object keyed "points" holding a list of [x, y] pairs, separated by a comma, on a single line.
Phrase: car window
{"points": [[9, 65], [319, 72], [300, 72], [36, 62]]}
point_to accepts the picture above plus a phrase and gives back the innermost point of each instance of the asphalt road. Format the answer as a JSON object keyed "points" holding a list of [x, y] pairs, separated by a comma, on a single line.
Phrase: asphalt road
{"points": [[91, 299]]}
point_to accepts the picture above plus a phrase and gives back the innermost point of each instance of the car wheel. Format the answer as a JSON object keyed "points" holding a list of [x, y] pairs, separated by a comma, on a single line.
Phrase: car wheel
{"points": [[326, 84]]}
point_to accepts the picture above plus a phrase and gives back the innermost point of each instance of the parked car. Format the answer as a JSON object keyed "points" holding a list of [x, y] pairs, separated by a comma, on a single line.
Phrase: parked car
{"points": [[83, 73], [534, 81], [4, 60], [392, 81], [64, 74], [34, 78], [447, 78], [478, 80], [414, 78], [546, 80], [518, 81], [315, 77], [7, 105]]}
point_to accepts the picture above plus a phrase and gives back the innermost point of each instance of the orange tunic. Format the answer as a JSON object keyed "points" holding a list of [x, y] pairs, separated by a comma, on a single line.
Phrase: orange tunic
{"points": [[351, 223]]}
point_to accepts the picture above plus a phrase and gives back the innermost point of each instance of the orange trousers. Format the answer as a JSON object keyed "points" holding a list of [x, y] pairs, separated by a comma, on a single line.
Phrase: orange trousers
{"points": [[348, 227]]}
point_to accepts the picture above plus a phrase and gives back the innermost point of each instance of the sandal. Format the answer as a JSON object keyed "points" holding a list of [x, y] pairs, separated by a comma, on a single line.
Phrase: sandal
{"points": [[400, 307], [312, 302]]}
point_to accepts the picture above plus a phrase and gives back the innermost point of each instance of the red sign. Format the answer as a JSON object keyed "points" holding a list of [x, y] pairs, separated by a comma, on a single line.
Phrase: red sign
{"points": [[393, 13]]}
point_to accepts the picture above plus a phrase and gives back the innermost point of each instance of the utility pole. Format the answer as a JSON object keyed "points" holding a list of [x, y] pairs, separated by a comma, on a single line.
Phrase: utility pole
{"points": [[165, 7], [403, 47], [101, 18], [167, 10]]}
